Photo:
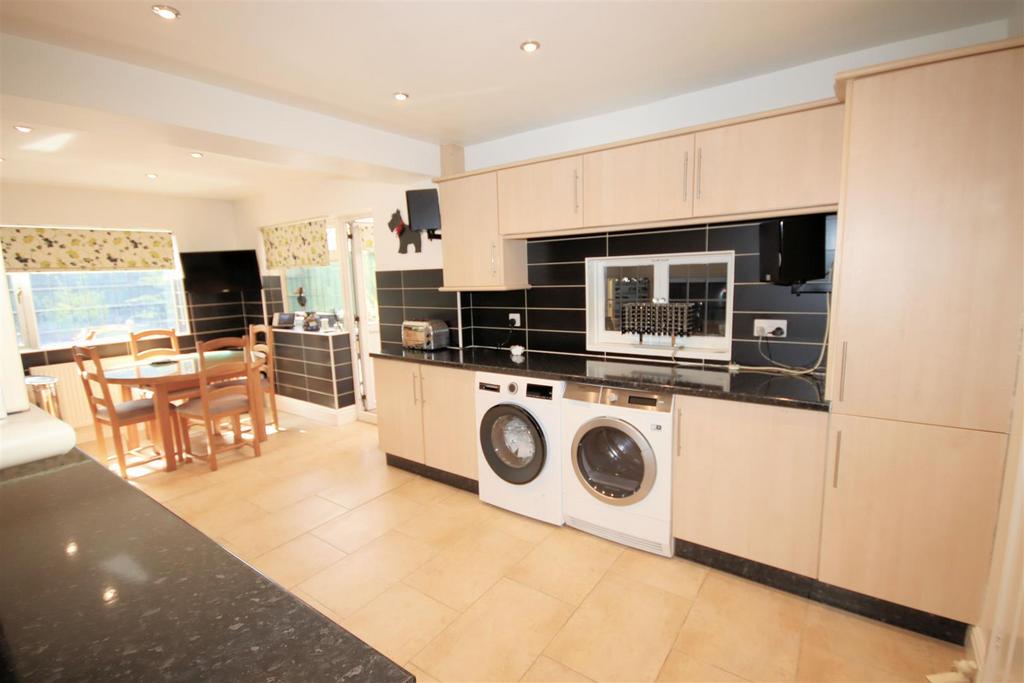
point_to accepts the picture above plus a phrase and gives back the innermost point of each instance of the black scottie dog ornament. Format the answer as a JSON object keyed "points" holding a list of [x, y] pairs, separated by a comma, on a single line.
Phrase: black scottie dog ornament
{"points": [[406, 235]]}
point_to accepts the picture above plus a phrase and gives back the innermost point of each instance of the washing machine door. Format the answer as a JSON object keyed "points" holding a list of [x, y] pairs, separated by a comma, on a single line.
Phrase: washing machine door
{"points": [[512, 443], [613, 461]]}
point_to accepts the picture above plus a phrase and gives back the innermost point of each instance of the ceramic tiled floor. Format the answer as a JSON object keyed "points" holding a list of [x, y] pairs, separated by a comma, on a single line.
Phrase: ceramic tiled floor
{"points": [[456, 590]]}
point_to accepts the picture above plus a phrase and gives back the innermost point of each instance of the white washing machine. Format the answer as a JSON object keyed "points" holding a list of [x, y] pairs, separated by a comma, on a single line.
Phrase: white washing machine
{"points": [[617, 465], [519, 443]]}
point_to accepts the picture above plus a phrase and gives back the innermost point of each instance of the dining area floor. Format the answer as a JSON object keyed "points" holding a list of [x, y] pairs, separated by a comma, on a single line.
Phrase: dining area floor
{"points": [[456, 590]]}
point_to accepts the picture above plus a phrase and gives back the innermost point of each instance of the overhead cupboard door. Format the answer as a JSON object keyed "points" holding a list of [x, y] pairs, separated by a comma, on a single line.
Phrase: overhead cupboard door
{"points": [[929, 295], [540, 197], [783, 162], [644, 182]]}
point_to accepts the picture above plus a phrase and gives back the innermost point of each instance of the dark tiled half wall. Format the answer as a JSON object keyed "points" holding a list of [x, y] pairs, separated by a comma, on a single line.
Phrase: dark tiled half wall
{"points": [[413, 294], [314, 367], [554, 309]]}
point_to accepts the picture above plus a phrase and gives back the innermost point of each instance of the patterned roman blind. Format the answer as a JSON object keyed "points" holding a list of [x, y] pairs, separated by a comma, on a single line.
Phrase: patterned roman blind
{"points": [[54, 249], [291, 245]]}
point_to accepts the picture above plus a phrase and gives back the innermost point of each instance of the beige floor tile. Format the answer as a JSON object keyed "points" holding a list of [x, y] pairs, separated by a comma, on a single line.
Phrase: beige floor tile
{"points": [[439, 526], [622, 632], [371, 520], [425, 491], [364, 486], [522, 527], [255, 538], [839, 642], [567, 564], [274, 495], [547, 670], [465, 570], [498, 638], [421, 675], [297, 560], [357, 579], [817, 665], [681, 668], [672, 574], [219, 520], [745, 628], [400, 621]]}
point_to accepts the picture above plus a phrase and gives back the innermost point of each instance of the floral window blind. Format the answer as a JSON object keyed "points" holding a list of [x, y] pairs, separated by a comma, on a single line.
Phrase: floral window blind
{"points": [[61, 249], [291, 245]]}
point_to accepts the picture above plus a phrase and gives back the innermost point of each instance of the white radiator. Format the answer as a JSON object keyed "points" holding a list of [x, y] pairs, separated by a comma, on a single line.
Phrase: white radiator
{"points": [[74, 407]]}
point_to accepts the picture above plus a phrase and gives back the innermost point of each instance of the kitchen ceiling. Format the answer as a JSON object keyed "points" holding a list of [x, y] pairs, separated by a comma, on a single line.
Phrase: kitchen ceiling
{"points": [[460, 61]]}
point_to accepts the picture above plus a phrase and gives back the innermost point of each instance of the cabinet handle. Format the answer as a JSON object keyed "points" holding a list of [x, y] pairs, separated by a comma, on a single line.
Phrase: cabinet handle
{"points": [[576, 190], [686, 173], [700, 168], [414, 399], [423, 400], [842, 374], [494, 267], [835, 465]]}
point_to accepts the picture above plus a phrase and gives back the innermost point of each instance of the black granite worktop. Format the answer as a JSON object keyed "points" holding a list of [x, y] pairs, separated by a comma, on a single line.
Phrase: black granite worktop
{"points": [[100, 583], [751, 387]]}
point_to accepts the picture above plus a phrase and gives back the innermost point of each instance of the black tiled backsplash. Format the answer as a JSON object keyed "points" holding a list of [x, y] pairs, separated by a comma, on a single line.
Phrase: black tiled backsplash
{"points": [[314, 367], [412, 294]]}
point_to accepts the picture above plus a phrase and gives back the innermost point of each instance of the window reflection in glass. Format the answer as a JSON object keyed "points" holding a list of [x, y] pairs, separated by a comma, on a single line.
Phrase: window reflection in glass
{"points": [[706, 286], [625, 285]]}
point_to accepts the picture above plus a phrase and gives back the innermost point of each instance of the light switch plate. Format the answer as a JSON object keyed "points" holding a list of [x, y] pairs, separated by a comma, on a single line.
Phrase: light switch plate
{"points": [[766, 327]]}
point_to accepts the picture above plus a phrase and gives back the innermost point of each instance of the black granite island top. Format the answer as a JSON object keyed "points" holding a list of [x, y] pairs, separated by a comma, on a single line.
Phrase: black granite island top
{"points": [[100, 583], [751, 387]]}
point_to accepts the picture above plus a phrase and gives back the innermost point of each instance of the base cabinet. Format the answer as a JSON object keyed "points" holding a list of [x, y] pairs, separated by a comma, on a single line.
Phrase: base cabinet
{"points": [[426, 413], [748, 480], [910, 512]]}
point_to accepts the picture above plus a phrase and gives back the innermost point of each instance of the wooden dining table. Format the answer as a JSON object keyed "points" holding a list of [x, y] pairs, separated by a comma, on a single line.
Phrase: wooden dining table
{"points": [[173, 374]]}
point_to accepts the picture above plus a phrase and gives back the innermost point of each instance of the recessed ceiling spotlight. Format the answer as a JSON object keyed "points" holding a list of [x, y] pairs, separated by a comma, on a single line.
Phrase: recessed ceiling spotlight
{"points": [[166, 12], [196, 155], [23, 129], [401, 96], [152, 176], [530, 46]]}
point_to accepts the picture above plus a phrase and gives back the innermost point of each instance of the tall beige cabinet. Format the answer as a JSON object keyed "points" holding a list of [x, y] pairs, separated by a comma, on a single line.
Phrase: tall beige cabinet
{"points": [[925, 326]]}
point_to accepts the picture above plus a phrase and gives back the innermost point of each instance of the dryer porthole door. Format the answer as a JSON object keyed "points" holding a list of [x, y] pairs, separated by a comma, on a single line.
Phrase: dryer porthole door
{"points": [[613, 461], [513, 443]]}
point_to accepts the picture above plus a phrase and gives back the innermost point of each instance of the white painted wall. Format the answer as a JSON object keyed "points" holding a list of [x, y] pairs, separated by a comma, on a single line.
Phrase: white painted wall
{"points": [[346, 199], [804, 83], [199, 224]]}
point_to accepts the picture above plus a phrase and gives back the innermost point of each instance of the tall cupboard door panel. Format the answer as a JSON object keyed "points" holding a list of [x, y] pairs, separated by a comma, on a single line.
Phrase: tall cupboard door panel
{"points": [[783, 162], [449, 419], [399, 416], [642, 183], [754, 491], [910, 512], [929, 295], [540, 197]]}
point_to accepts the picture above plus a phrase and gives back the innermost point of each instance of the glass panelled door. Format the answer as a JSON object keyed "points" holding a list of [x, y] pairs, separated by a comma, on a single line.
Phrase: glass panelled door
{"points": [[366, 331]]}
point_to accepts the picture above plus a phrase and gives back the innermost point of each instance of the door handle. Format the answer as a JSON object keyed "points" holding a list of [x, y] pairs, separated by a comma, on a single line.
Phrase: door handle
{"points": [[576, 190], [423, 401], [700, 169], [835, 465], [842, 374], [494, 266], [686, 173], [415, 400]]}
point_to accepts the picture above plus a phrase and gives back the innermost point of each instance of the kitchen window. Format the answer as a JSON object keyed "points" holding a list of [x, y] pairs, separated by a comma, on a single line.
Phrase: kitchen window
{"points": [[321, 285], [54, 309], [704, 280]]}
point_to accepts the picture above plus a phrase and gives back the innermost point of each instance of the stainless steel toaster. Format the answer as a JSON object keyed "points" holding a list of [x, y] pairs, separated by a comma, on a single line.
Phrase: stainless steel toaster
{"points": [[425, 334]]}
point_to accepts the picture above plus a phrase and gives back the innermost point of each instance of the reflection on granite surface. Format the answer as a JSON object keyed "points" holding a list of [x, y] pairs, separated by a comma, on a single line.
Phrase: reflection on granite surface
{"points": [[752, 387], [101, 583]]}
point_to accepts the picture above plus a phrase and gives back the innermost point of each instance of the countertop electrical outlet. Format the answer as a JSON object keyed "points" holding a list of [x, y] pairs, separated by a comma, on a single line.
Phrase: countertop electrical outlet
{"points": [[775, 329], [515, 320]]}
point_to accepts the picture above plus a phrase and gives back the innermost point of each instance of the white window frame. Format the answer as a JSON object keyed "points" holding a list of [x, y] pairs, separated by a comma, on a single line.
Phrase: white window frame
{"points": [[700, 347]]}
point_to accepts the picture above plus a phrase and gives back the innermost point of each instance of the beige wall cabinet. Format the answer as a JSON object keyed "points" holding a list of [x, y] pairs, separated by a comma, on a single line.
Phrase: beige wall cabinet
{"points": [[399, 416], [540, 197], [426, 413], [448, 399], [928, 294], [644, 182], [474, 255], [790, 161], [910, 512], [748, 480]]}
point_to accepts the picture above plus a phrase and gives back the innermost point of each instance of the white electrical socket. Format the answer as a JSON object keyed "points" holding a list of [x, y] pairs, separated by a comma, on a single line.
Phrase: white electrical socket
{"points": [[515, 320], [765, 327]]}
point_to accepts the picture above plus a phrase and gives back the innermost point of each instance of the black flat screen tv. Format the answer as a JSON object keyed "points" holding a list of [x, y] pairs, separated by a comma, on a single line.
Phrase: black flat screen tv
{"points": [[424, 211], [220, 271]]}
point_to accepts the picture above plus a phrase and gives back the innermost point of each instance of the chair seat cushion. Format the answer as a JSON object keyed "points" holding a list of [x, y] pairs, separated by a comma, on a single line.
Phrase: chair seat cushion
{"points": [[220, 406], [128, 410]]}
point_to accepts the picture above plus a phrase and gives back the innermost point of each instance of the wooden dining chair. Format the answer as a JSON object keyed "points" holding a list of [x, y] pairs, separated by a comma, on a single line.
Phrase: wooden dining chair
{"points": [[139, 353], [221, 399], [267, 376], [106, 412]]}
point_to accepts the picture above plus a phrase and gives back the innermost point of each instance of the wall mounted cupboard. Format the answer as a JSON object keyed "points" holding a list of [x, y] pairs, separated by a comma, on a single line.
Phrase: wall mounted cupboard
{"points": [[540, 197]]}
